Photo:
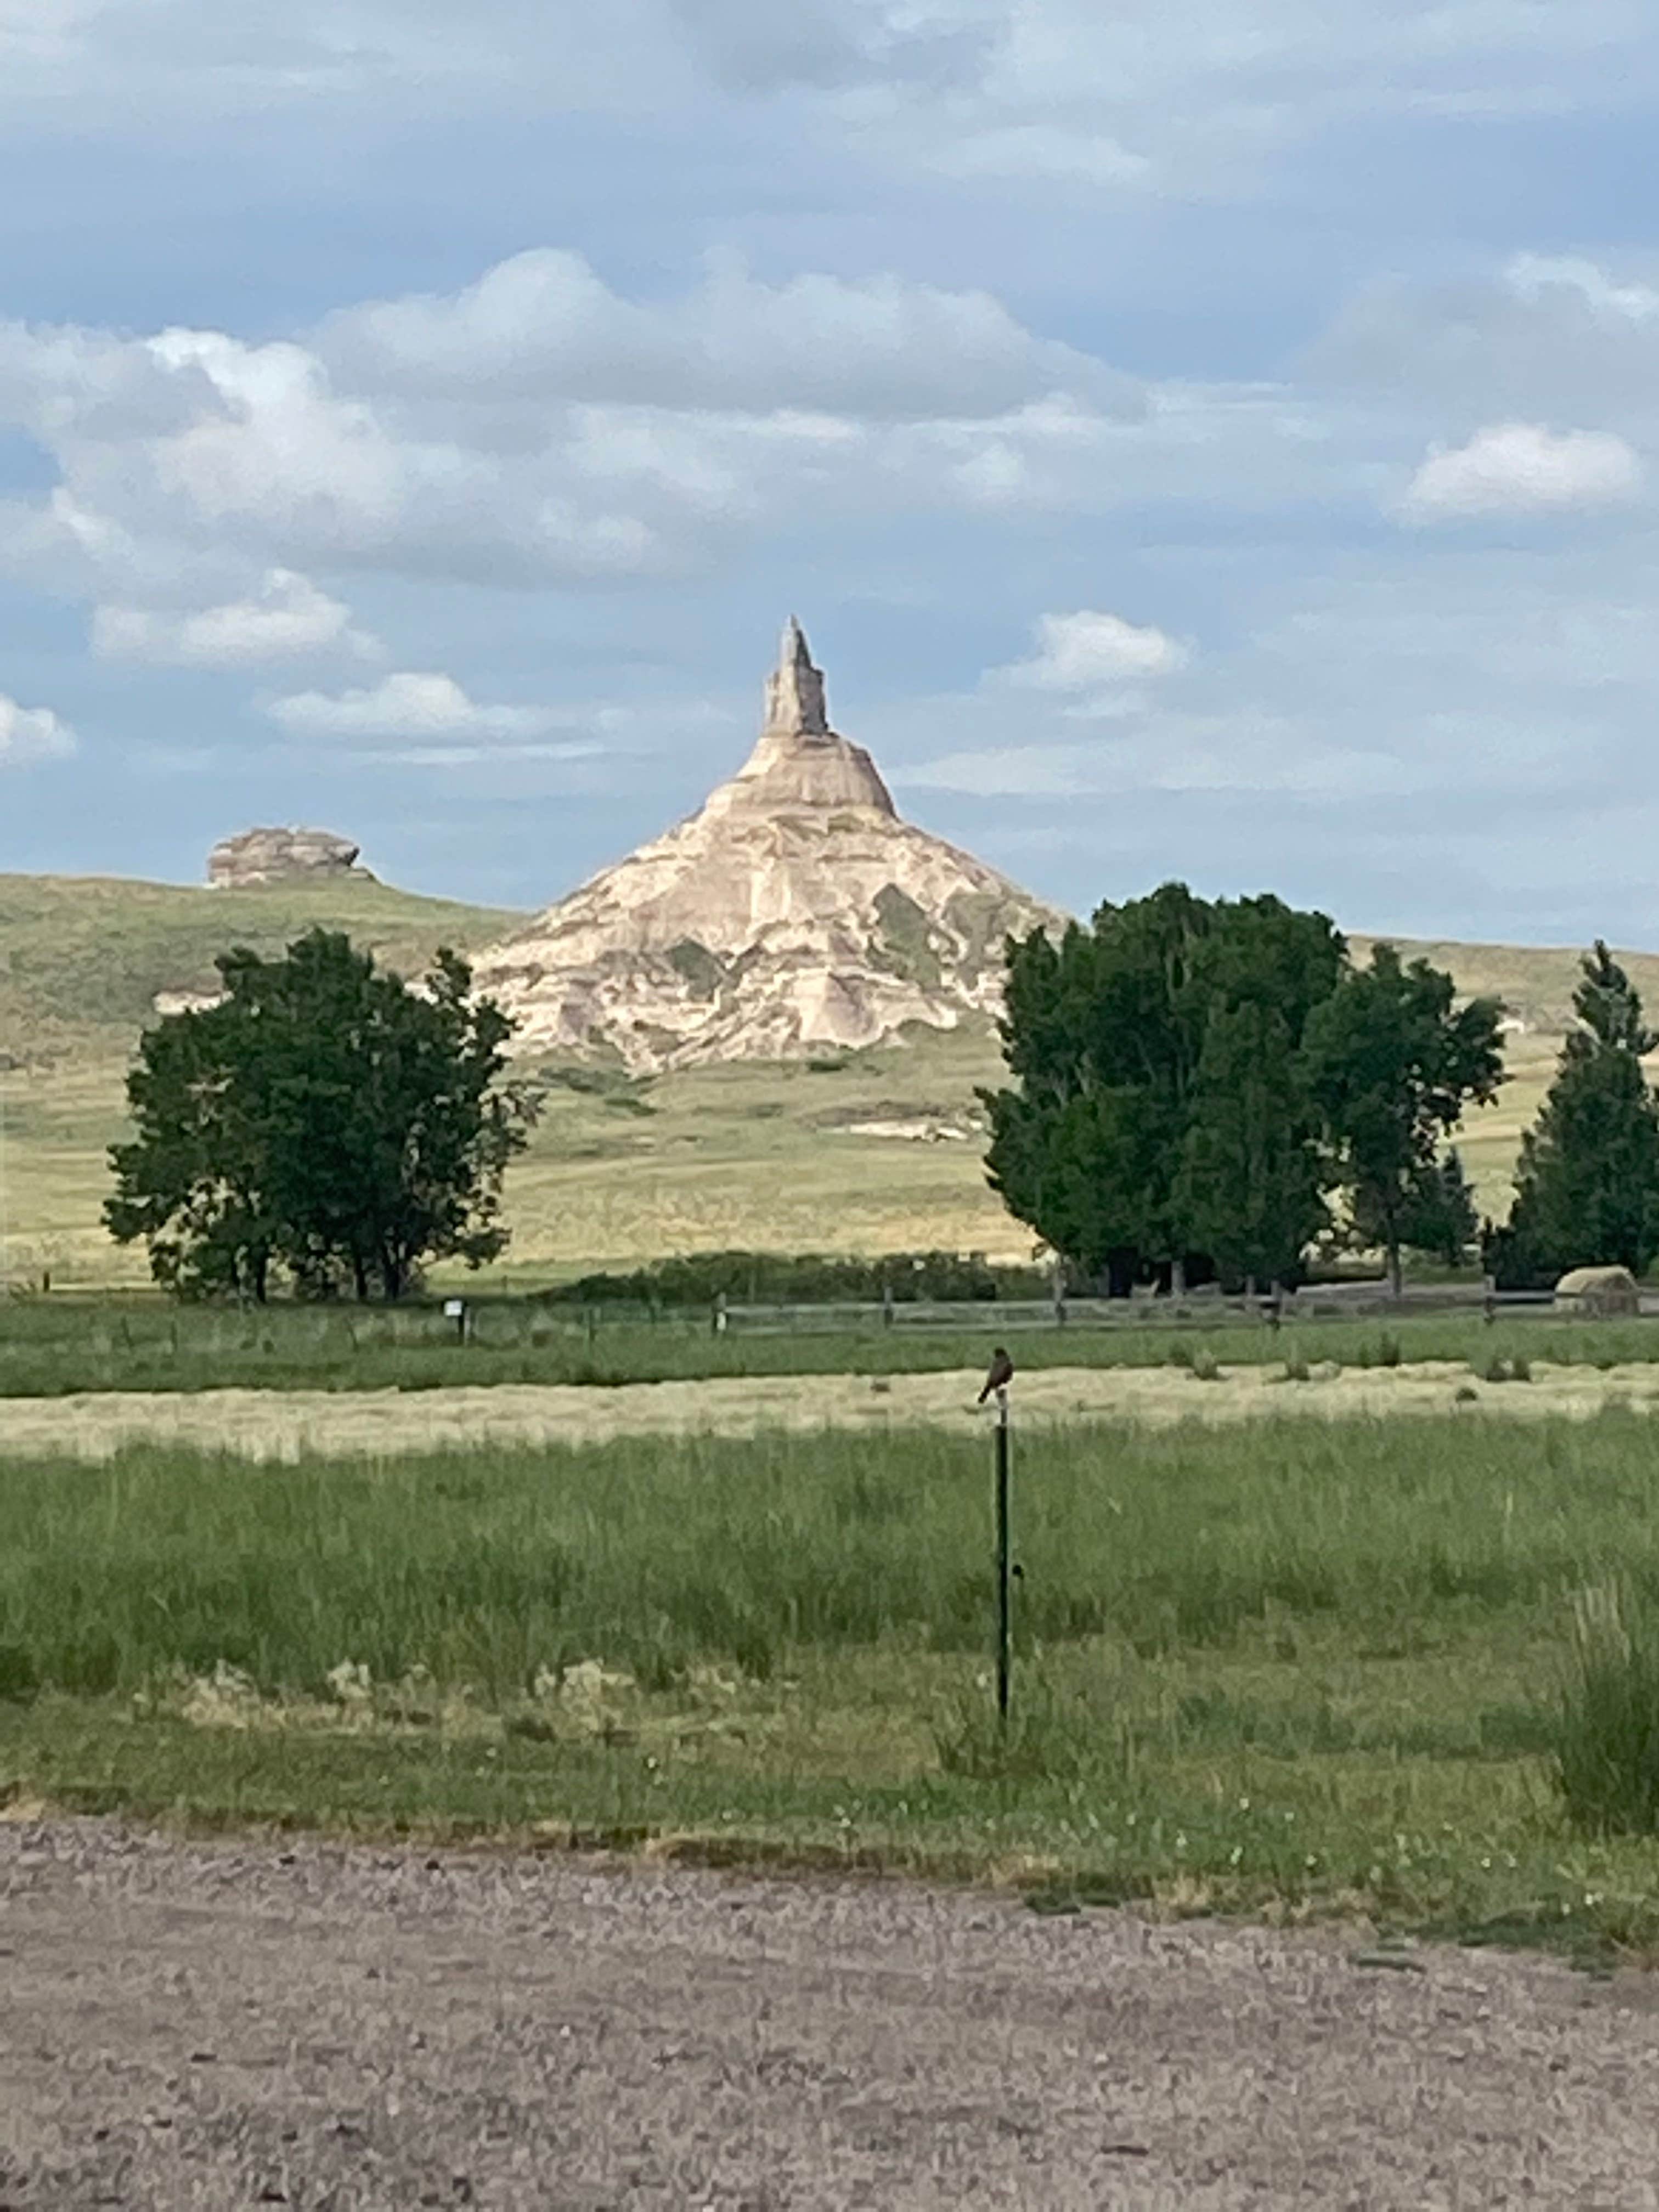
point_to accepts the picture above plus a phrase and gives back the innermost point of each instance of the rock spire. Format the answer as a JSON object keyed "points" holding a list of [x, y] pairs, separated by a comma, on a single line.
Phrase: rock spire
{"points": [[793, 911], [794, 693]]}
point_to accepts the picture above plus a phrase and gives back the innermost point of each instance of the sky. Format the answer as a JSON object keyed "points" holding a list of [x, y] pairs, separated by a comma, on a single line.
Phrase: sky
{"points": [[1201, 439]]}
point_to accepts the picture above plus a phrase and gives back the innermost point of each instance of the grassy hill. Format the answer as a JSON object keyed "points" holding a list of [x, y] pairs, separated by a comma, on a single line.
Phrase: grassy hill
{"points": [[850, 1154], [82, 957]]}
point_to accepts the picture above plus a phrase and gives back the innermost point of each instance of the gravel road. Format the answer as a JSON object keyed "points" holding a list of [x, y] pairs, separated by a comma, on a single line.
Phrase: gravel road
{"points": [[222, 2024]]}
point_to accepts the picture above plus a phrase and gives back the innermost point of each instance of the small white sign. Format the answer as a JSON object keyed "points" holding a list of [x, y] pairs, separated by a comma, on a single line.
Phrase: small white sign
{"points": [[453, 1308]]}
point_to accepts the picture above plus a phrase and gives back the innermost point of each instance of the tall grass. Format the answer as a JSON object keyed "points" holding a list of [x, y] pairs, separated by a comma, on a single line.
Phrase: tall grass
{"points": [[53, 1345], [487, 1568], [1608, 1745]]}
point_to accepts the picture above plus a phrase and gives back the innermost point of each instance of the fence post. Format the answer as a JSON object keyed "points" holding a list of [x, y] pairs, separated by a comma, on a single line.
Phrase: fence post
{"points": [[719, 1315], [1489, 1288], [886, 1305]]}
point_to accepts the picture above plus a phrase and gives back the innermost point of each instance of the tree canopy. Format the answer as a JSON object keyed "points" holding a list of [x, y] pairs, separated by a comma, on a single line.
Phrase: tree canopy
{"points": [[1587, 1188], [1159, 1112], [323, 1124], [1194, 1080], [1394, 1062]]}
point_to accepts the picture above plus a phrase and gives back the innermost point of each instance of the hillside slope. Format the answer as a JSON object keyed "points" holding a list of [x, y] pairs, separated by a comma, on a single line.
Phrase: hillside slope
{"points": [[82, 957], [864, 1151]]}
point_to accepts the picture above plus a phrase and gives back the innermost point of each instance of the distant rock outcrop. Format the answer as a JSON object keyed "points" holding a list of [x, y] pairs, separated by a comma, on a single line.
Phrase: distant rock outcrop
{"points": [[794, 912], [281, 856]]}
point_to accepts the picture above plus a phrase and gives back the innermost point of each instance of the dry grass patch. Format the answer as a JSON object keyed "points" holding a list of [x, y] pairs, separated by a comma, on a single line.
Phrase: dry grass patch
{"points": [[288, 1426]]}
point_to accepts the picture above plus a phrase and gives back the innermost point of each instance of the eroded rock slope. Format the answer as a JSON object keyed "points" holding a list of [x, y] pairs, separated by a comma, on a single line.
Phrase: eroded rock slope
{"points": [[794, 912]]}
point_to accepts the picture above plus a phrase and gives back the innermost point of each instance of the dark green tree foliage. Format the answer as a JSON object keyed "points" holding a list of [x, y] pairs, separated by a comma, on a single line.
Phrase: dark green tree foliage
{"points": [[1587, 1188], [1444, 1220], [1392, 1062], [324, 1121], [195, 1182], [1123, 1041], [1247, 1187]]}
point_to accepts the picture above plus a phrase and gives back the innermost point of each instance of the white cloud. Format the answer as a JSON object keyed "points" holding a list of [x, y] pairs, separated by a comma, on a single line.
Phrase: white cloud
{"points": [[1205, 94], [535, 428], [1200, 99], [1547, 337], [289, 619], [30, 733], [1533, 277], [405, 705], [542, 326], [1523, 468], [1084, 651]]}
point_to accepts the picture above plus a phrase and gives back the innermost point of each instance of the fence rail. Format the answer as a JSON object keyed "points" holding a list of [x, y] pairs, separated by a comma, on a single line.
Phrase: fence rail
{"points": [[1197, 1310]]}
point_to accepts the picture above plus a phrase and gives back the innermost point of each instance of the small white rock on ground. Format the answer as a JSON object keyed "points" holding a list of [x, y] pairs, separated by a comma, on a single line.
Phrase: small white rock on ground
{"points": [[192, 2028]]}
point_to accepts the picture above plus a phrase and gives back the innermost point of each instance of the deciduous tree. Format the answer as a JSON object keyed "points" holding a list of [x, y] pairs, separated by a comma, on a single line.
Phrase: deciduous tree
{"points": [[323, 1120], [1106, 1036], [1392, 1062], [1247, 1185]]}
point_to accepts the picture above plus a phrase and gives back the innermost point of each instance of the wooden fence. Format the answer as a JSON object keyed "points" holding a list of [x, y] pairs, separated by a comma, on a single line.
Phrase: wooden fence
{"points": [[1200, 1309]]}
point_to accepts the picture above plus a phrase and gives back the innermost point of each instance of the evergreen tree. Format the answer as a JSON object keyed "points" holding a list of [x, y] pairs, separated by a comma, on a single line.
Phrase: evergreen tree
{"points": [[323, 1119], [1587, 1188]]}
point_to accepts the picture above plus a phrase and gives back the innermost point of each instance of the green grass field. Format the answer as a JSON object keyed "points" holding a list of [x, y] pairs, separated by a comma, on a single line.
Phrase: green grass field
{"points": [[759, 1157], [1305, 1669], [51, 1347]]}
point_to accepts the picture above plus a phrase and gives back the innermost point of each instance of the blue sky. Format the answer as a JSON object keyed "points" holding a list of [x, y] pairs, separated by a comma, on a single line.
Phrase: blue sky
{"points": [[1199, 440]]}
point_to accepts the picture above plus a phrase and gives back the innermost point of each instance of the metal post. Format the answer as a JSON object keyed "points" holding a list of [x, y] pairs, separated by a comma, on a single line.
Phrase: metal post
{"points": [[1004, 1587]]}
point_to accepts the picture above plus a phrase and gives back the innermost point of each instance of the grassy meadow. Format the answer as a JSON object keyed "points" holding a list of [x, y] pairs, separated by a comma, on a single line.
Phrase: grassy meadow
{"points": [[1306, 1667], [1356, 1664], [66, 1343]]}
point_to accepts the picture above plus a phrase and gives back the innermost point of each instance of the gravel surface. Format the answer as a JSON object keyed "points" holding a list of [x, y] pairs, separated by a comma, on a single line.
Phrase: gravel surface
{"points": [[218, 2025], [352, 1424]]}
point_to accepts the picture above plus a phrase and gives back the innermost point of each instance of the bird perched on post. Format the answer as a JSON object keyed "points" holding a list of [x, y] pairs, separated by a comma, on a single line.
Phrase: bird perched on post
{"points": [[1000, 1376]]}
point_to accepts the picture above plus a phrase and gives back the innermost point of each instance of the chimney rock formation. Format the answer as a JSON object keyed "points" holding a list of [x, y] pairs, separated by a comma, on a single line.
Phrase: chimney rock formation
{"points": [[794, 912]]}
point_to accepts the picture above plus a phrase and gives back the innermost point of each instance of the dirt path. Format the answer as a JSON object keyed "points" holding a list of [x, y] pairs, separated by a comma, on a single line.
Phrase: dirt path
{"points": [[281, 1423], [196, 2029]]}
